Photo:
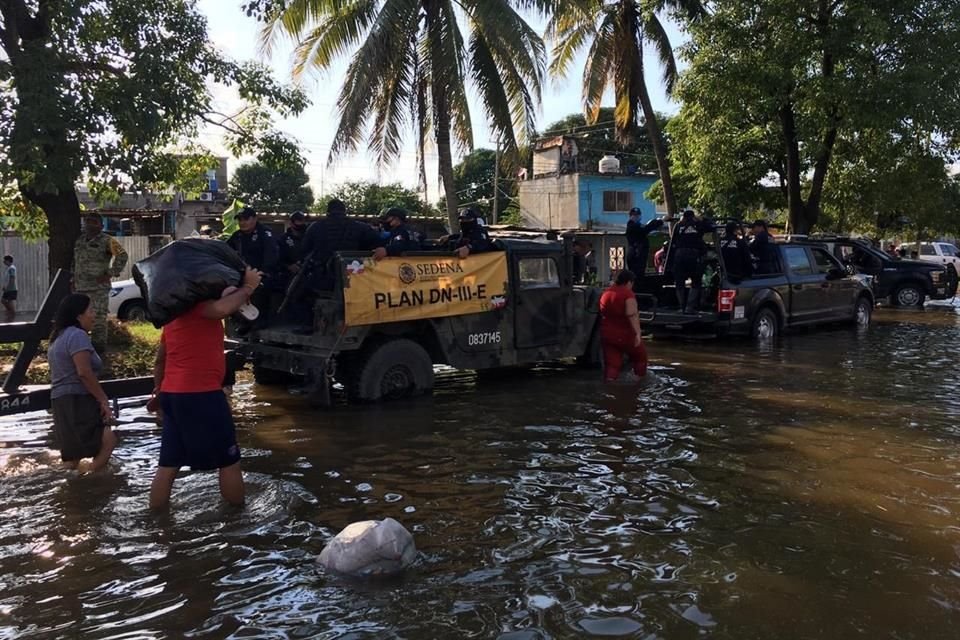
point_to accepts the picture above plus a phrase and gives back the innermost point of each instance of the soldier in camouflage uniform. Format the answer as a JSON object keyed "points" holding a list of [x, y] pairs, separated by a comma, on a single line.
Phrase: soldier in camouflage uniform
{"points": [[92, 270]]}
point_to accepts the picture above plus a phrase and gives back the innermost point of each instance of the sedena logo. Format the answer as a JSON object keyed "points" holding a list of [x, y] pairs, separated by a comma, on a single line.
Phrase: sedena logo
{"points": [[408, 275]]}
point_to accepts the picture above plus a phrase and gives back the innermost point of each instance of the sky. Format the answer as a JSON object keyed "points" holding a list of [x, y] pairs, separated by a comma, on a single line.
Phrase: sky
{"points": [[236, 35]]}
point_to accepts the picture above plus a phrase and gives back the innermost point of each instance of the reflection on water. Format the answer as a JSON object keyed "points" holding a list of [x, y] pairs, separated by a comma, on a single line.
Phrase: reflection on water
{"points": [[810, 489]]}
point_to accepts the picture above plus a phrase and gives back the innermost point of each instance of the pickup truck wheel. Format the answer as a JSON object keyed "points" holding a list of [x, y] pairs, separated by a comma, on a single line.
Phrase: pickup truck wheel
{"points": [[863, 312], [952, 280], [766, 325], [908, 295], [392, 370]]}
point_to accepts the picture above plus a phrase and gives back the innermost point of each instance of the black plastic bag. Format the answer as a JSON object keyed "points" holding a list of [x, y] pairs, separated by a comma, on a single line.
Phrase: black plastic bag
{"points": [[185, 272]]}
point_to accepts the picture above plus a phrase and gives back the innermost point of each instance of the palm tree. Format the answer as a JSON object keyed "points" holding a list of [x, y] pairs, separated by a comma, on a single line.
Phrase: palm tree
{"points": [[411, 65], [617, 32]]}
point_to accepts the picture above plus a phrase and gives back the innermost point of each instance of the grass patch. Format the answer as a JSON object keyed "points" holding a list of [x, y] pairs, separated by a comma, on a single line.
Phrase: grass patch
{"points": [[132, 348]]}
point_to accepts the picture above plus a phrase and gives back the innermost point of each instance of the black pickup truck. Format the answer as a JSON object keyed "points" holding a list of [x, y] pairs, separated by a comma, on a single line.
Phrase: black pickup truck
{"points": [[904, 283], [809, 287]]}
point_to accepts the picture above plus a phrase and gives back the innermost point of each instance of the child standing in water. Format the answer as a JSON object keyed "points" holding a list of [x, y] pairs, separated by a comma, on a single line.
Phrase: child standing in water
{"points": [[81, 410], [198, 429]]}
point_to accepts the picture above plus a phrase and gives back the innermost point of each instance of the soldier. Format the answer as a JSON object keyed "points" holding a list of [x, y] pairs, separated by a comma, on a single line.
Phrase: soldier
{"points": [[97, 257], [399, 239], [472, 238], [255, 243]]}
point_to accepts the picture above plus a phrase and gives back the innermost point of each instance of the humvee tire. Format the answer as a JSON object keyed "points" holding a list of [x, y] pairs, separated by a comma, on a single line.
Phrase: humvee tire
{"points": [[391, 370]]}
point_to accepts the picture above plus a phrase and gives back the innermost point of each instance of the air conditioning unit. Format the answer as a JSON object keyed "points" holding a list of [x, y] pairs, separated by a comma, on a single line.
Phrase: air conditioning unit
{"points": [[206, 196]]}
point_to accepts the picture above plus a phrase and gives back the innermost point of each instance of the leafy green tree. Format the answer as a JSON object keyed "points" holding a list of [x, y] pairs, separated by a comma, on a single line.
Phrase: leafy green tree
{"points": [[412, 63], [775, 85], [267, 187], [102, 91], [370, 198], [474, 181], [885, 186], [616, 33]]}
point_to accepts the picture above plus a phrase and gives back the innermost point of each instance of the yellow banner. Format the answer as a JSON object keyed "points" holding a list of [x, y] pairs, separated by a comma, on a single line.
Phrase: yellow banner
{"points": [[411, 288]]}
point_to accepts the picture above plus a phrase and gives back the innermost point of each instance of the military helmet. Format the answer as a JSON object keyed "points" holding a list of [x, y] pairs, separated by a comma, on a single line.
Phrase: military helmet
{"points": [[394, 212]]}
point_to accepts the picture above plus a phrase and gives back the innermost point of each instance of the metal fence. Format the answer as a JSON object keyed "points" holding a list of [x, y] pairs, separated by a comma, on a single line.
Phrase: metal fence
{"points": [[33, 277]]}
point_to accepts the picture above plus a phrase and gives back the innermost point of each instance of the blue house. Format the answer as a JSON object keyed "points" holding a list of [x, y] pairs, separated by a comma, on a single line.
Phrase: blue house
{"points": [[580, 200]]}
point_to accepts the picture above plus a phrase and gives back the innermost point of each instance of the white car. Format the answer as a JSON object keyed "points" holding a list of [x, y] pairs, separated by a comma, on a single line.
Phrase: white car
{"points": [[942, 253], [126, 302]]}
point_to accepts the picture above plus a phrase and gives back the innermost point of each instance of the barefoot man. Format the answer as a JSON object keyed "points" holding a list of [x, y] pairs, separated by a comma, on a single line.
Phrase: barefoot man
{"points": [[198, 428]]}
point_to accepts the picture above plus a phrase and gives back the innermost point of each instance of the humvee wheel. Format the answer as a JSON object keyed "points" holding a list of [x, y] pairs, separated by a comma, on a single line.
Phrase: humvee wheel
{"points": [[396, 369]]}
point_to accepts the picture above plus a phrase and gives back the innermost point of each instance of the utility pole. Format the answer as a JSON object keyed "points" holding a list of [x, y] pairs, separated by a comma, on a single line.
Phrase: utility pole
{"points": [[496, 182]]}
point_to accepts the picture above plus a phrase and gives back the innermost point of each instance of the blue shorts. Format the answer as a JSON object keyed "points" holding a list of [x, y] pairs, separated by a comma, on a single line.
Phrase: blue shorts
{"points": [[198, 431]]}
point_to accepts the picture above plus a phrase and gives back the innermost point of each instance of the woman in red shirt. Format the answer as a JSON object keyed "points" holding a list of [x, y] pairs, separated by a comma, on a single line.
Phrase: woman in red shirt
{"points": [[620, 328]]}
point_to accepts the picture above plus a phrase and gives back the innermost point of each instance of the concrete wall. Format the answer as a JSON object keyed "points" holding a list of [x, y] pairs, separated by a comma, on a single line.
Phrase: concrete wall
{"points": [[550, 202], [575, 201], [592, 187]]}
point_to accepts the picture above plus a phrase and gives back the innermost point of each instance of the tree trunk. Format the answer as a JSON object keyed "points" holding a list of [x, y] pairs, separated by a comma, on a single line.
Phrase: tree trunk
{"points": [[63, 218], [441, 113], [799, 221], [446, 161], [656, 141]]}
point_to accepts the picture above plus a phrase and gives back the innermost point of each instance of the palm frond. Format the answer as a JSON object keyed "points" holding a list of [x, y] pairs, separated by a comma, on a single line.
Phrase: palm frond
{"points": [[599, 65], [655, 33], [336, 37], [292, 19]]}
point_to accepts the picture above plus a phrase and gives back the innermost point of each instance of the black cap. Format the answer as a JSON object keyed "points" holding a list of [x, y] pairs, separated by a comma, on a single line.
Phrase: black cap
{"points": [[760, 223], [336, 206], [468, 214], [394, 212], [246, 212], [635, 212], [297, 215], [688, 213]]}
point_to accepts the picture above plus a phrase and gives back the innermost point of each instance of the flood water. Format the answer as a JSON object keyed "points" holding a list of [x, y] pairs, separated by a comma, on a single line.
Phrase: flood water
{"points": [[805, 490]]}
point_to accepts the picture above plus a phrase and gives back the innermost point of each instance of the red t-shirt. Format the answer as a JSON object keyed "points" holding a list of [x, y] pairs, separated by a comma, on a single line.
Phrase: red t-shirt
{"points": [[194, 354], [614, 324]]}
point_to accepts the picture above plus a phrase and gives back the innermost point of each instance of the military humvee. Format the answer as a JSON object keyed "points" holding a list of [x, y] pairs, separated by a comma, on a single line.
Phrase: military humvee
{"points": [[386, 324]]}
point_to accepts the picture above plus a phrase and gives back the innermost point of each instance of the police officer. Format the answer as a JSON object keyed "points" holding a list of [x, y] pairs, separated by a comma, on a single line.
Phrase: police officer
{"points": [[258, 247], [473, 238], [638, 247], [400, 239], [687, 261], [290, 247], [736, 254], [97, 257], [255, 243], [762, 249], [332, 233]]}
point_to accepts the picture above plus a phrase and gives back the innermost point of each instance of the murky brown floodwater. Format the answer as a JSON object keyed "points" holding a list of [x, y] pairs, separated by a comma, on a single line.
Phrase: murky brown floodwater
{"points": [[811, 490]]}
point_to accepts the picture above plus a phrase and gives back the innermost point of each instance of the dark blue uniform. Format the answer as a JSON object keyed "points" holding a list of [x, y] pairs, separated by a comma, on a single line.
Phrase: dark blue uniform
{"points": [[290, 248], [638, 246], [258, 248], [475, 238], [332, 233], [401, 240], [763, 252], [736, 257], [688, 251]]}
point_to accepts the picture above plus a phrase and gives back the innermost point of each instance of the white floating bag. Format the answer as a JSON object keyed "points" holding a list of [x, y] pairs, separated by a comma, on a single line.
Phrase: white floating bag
{"points": [[370, 548]]}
